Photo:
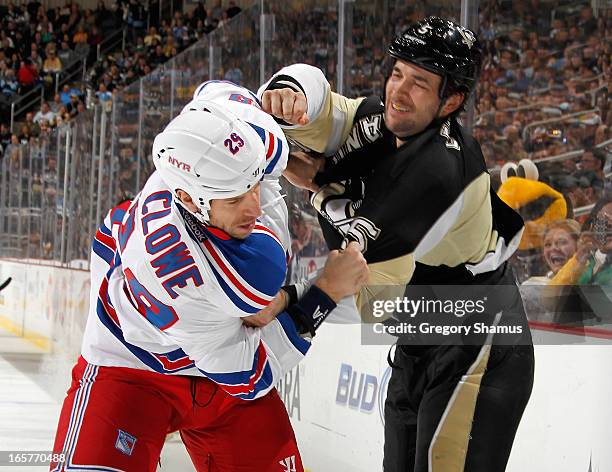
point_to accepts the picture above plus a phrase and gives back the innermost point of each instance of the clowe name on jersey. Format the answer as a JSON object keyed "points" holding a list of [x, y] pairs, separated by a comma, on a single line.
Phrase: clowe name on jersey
{"points": [[173, 263]]}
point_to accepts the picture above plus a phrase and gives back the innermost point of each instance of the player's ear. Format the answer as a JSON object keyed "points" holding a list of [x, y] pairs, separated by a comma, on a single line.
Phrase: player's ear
{"points": [[451, 104], [184, 197], [186, 200]]}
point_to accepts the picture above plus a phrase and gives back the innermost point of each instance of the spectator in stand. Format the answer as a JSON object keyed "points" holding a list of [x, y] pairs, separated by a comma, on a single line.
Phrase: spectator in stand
{"points": [[583, 181], [224, 19], [72, 106], [587, 23], [27, 75], [151, 37], [591, 186], [179, 30], [45, 28], [80, 36], [170, 46], [103, 95], [65, 54], [94, 38], [9, 85], [216, 11], [51, 66], [210, 23], [67, 93], [44, 114], [81, 49], [45, 127], [560, 242], [602, 134], [593, 160], [158, 57], [25, 135], [89, 20], [592, 262], [57, 103], [31, 124], [35, 59], [5, 135], [234, 74], [199, 12], [80, 107]]}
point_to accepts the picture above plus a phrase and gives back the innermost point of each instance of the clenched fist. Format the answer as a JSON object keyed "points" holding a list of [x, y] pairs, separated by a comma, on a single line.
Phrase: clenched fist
{"points": [[287, 105], [345, 272]]}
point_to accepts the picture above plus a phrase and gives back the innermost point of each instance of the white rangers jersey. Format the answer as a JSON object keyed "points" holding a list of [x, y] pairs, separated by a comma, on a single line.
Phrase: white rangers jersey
{"points": [[168, 293], [244, 104]]}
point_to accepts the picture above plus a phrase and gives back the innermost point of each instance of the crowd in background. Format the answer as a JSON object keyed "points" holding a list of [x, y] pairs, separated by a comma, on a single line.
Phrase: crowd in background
{"points": [[543, 96], [38, 44], [543, 61]]}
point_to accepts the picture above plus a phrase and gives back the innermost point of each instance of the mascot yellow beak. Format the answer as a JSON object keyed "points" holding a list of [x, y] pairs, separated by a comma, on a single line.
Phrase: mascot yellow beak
{"points": [[538, 203]]}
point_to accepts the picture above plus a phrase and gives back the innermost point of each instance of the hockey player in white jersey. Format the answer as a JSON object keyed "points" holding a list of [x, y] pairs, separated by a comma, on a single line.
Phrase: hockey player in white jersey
{"points": [[173, 273], [246, 105]]}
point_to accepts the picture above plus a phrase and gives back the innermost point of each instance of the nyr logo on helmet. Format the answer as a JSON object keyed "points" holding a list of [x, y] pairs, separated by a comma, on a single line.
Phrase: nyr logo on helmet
{"points": [[180, 164], [172, 160]]}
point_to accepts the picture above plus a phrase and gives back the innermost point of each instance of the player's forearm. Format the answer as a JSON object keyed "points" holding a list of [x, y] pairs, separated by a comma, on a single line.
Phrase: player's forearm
{"points": [[330, 115], [301, 78]]}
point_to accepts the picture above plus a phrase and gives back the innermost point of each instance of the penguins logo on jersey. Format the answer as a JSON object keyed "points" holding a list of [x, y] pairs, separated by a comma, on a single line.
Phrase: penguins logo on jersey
{"points": [[335, 204]]}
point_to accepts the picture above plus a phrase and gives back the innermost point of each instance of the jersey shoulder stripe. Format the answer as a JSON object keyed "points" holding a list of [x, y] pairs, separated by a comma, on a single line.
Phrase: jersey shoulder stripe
{"points": [[118, 212], [244, 259], [237, 263], [291, 332], [102, 247], [103, 244], [261, 229], [232, 277], [105, 229], [276, 154], [237, 297]]}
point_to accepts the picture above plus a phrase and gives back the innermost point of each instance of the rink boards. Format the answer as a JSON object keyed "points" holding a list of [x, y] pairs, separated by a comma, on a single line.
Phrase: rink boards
{"points": [[335, 397]]}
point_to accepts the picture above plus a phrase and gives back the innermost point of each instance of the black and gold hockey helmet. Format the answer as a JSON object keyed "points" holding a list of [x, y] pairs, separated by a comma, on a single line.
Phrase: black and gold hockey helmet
{"points": [[444, 48]]}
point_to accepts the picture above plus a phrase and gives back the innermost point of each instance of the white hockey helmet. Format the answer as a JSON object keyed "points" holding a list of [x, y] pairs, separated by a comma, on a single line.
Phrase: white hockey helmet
{"points": [[243, 103], [210, 155]]}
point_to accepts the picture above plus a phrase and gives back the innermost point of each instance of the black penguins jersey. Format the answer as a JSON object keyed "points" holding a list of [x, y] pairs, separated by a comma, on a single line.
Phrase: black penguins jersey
{"points": [[422, 212]]}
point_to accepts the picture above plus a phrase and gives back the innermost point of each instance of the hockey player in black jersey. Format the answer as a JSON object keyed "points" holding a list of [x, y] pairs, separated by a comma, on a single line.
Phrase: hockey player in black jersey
{"points": [[405, 180]]}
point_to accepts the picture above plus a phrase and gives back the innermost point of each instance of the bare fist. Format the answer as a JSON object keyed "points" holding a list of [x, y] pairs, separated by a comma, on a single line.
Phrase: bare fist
{"points": [[345, 272], [287, 105]]}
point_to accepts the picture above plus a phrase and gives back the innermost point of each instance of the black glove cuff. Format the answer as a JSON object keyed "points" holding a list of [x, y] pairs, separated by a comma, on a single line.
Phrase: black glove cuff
{"points": [[311, 310]]}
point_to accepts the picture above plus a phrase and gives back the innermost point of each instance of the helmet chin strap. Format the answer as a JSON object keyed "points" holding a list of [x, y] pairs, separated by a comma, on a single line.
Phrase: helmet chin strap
{"points": [[441, 94], [199, 215]]}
